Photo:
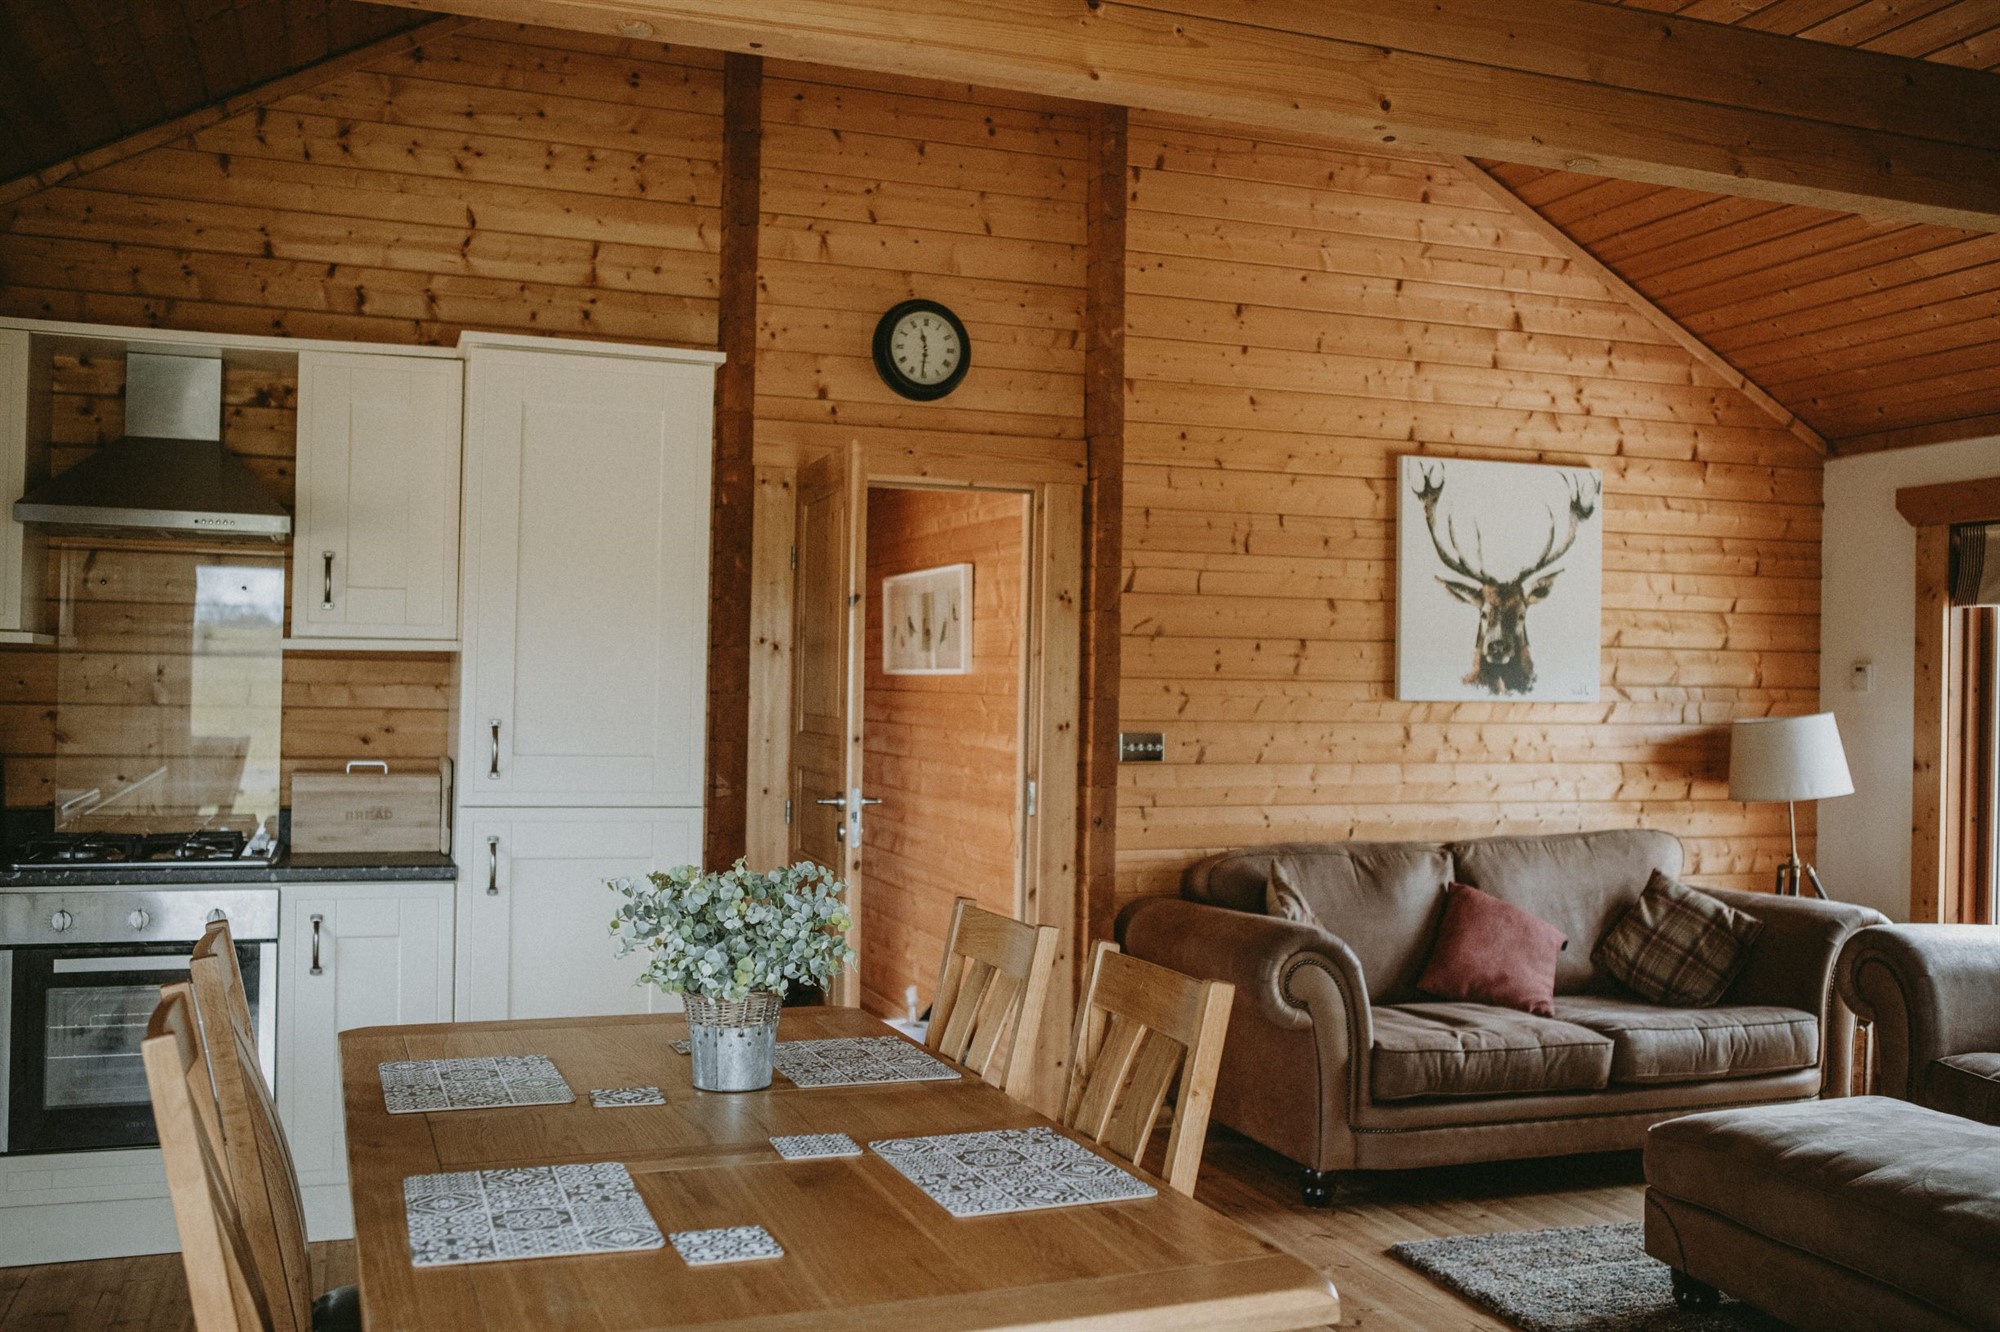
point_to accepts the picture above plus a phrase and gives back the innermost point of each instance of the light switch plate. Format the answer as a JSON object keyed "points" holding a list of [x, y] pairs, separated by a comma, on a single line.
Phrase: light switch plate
{"points": [[1142, 747]]}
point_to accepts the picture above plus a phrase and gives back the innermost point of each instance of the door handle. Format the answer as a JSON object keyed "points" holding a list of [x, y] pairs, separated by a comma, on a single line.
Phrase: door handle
{"points": [[838, 802], [493, 867], [315, 969], [326, 581], [493, 767]]}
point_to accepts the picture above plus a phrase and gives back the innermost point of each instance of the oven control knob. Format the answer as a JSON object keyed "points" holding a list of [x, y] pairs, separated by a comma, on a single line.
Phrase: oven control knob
{"points": [[139, 920], [61, 921]]}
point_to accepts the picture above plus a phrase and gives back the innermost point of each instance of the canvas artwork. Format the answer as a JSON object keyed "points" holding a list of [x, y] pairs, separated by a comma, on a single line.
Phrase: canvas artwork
{"points": [[1500, 573], [927, 622]]}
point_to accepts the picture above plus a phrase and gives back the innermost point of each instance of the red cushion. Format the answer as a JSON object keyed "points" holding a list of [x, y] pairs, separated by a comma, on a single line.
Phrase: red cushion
{"points": [[1492, 952]]}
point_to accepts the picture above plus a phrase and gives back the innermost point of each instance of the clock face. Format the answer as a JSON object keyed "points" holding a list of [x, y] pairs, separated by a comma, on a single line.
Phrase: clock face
{"points": [[925, 348], [921, 350]]}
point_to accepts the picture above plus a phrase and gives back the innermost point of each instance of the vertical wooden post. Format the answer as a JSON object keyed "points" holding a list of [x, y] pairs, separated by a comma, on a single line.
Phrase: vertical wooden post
{"points": [[1929, 767], [1104, 517], [725, 820]]}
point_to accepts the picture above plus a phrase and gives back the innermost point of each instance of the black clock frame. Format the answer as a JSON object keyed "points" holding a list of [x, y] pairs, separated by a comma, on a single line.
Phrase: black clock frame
{"points": [[885, 360]]}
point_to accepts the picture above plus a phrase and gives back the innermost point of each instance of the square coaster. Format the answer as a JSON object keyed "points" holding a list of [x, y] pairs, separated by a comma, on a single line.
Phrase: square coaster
{"points": [[605, 1098], [813, 1146], [729, 1244], [681, 1047]]}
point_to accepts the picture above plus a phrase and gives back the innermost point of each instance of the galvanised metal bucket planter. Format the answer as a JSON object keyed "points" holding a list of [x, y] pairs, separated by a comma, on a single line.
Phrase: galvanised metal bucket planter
{"points": [[731, 1043]]}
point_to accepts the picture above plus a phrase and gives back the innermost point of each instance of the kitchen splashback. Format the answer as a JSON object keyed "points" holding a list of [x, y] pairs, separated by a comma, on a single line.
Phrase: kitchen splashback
{"points": [[169, 688]]}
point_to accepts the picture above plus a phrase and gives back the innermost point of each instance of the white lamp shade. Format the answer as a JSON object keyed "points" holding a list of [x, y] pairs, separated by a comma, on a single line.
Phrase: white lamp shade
{"points": [[1787, 758]]}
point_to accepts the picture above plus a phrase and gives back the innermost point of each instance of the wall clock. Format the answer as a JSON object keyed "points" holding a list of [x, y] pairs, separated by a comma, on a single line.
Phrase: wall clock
{"points": [[921, 350]]}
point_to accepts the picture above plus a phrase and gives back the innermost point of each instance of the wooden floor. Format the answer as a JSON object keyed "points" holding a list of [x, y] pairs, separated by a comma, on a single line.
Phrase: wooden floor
{"points": [[1239, 1179]]}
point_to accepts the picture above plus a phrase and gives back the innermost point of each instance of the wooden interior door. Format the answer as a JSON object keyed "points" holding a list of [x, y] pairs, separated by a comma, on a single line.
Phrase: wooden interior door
{"points": [[826, 679]]}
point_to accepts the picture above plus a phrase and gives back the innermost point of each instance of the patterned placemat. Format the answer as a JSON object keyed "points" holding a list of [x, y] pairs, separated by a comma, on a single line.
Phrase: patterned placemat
{"points": [[1008, 1170], [851, 1060], [413, 1086], [485, 1216]]}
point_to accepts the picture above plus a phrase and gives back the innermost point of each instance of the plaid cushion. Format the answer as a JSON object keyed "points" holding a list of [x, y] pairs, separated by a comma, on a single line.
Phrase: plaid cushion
{"points": [[1677, 946]]}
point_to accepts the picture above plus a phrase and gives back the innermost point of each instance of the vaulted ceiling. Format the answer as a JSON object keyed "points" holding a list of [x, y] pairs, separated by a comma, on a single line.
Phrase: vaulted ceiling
{"points": [[79, 74], [1874, 333]]}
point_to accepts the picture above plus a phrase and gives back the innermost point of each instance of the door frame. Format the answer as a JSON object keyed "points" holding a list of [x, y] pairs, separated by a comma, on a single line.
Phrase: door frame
{"points": [[1051, 705]]}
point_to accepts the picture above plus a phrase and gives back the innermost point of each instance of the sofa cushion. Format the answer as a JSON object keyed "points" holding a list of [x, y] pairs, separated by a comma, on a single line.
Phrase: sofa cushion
{"points": [[1491, 952], [1578, 882], [1967, 1084], [1655, 1044], [1382, 900], [1904, 1195], [1676, 945], [1479, 1050]]}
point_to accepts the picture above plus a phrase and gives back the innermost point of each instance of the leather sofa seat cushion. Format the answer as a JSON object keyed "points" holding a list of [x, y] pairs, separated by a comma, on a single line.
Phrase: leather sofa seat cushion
{"points": [[1577, 882], [1967, 1084], [1445, 1049], [1904, 1195], [1382, 899], [1651, 1044]]}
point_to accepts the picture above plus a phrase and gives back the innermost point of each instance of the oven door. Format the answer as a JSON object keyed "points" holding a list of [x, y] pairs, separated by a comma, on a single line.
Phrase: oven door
{"points": [[75, 1077]]}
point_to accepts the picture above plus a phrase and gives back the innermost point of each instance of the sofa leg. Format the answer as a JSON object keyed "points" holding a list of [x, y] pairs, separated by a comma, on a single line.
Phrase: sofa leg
{"points": [[1692, 1295], [1318, 1187]]}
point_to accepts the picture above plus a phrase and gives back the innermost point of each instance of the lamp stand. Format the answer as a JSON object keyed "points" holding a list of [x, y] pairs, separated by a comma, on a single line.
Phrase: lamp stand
{"points": [[1794, 873]]}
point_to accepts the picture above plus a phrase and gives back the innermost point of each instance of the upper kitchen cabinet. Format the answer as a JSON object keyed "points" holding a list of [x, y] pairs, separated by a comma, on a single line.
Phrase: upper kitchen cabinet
{"points": [[375, 546], [585, 578], [24, 435]]}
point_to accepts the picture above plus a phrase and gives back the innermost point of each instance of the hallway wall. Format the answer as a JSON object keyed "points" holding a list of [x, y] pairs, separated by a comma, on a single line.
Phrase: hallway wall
{"points": [[942, 752]]}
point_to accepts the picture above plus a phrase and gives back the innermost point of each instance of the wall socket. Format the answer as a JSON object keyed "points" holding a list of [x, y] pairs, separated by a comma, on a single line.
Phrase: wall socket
{"points": [[1142, 747], [1861, 677]]}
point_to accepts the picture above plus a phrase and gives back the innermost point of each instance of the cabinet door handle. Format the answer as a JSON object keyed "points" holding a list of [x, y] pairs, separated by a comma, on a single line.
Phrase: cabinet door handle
{"points": [[326, 580], [493, 867], [493, 767], [316, 969]]}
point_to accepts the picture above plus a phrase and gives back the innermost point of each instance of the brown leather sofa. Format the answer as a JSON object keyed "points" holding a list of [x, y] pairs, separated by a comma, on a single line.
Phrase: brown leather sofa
{"points": [[1335, 1060], [1932, 993]]}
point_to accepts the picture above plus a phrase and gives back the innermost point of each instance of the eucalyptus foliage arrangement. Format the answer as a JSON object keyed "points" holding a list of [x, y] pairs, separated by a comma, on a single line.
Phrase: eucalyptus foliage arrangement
{"points": [[721, 936]]}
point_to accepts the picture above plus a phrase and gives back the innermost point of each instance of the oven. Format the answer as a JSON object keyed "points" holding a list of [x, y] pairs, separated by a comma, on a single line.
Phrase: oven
{"points": [[80, 975]]}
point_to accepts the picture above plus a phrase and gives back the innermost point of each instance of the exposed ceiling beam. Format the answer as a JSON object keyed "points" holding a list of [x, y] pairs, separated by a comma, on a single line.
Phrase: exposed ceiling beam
{"points": [[1704, 354], [249, 100], [1557, 83]]}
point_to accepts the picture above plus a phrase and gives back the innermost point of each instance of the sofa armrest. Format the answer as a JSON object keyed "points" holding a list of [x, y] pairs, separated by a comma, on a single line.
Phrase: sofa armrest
{"points": [[1295, 1065], [1932, 991], [1792, 963], [1260, 955]]}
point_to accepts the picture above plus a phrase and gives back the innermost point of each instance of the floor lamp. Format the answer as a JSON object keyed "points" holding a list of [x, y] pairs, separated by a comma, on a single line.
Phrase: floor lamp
{"points": [[1789, 759]]}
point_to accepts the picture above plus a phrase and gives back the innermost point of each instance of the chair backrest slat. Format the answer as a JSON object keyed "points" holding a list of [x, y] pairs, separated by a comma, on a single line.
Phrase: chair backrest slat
{"points": [[221, 1273], [263, 1180], [1141, 1030], [992, 988]]}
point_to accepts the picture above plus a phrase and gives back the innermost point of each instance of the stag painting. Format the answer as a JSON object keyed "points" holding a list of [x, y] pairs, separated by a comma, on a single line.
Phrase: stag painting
{"points": [[1500, 539]]}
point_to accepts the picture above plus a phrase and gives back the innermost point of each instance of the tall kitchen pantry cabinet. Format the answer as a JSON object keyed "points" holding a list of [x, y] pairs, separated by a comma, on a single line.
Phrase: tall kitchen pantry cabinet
{"points": [[584, 594]]}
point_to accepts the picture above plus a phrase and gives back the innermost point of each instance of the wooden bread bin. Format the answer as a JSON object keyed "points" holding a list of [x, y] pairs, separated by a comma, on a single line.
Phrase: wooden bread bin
{"points": [[369, 808]]}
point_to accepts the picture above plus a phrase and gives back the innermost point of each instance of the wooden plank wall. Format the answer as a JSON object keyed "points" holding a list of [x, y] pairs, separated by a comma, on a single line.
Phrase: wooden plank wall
{"points": [[943, 752], [1300, 316]]}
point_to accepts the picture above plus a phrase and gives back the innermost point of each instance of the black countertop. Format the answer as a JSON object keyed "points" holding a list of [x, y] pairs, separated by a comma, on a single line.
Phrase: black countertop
{"points": [[346, 868]]}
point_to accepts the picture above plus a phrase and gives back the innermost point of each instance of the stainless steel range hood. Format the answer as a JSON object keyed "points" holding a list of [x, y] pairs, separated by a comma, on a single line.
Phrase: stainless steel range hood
{"points": [[170, 475]]}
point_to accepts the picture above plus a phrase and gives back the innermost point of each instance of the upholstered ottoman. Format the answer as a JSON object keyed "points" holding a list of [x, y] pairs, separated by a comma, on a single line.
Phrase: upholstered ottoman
{"points": [[1861, 1213]]}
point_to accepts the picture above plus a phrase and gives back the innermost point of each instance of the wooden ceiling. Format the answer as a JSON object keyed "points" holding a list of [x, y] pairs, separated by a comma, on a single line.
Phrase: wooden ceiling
{"points": [[79, 74], [1951, 32], [1874, 333]]}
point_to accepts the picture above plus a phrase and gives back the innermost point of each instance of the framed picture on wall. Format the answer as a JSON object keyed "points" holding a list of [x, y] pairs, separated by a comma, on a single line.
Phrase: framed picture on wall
{"points": [[1500, 576], [927, 621]]}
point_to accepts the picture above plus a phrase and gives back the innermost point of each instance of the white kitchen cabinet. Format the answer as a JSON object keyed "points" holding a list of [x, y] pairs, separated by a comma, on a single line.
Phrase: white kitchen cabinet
{"points": [[535, 915], [585, 576], [375, 541], [352, 955]]}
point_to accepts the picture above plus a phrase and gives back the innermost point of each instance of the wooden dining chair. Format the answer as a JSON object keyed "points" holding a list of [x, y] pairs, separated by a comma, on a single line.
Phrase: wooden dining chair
{"points": [[221, 1273], [1141, 1026], [990, 994], [263, 1182]]}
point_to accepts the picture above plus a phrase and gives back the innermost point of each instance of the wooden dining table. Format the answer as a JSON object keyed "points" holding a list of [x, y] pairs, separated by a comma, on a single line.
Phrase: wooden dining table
{"points": [[863, 1247]]}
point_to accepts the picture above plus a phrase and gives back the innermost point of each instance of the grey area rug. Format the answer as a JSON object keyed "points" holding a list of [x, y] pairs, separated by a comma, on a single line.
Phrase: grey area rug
{"points": [[1577, 1279]]}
